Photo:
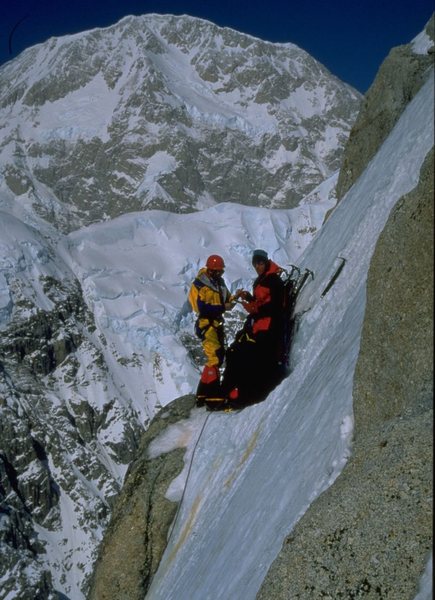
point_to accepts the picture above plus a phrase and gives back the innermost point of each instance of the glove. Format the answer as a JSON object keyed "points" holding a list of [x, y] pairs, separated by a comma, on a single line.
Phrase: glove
{"points": [[239, 294], [246, 296]]}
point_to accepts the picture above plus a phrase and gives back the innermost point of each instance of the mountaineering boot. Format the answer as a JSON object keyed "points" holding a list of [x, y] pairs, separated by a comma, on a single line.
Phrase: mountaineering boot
{"points": [[209, 387], [234, 394], [213, 404], [233, 399]]}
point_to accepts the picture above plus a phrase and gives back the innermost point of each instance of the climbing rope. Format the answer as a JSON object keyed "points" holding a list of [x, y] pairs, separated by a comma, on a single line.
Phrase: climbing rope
{"points": [[174, 522]]}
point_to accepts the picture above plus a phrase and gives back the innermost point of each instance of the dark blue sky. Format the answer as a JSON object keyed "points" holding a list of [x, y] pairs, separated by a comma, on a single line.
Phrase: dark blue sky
{"points": [[350, 37]]}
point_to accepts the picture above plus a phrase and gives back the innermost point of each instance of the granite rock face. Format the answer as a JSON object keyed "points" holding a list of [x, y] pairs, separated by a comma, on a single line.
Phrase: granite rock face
{"points": [[137, 534], [398, 80], [370, 534]]}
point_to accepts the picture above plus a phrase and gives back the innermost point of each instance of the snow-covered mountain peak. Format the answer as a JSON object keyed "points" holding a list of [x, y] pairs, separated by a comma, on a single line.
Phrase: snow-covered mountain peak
{"points": [[167, 112], [174, 113]]}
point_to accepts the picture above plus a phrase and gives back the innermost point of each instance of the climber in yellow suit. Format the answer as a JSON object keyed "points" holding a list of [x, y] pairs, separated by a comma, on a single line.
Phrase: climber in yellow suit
{"points": [[210, 298]]}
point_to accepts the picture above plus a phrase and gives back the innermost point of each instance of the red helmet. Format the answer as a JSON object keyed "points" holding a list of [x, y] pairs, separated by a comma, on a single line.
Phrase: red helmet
{"points": [[215, 263]]}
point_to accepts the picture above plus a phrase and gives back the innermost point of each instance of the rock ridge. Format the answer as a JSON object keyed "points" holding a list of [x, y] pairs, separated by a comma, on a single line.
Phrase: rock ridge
{"points": [[398, 80], [370, 534], [136, 537]]}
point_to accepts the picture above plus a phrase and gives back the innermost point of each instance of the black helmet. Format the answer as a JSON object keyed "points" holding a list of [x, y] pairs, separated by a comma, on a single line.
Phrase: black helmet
{"points": [[259, 256]]}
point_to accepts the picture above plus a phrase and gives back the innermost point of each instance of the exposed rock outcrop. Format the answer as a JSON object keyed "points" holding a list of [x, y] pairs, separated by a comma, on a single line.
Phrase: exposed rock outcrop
{"points": [[369, 535], [398, 80], [49, 460], [137, 535]]}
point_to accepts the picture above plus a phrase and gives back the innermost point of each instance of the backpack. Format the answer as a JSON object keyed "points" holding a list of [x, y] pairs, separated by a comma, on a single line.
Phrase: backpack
{"points": [[293, 284]]}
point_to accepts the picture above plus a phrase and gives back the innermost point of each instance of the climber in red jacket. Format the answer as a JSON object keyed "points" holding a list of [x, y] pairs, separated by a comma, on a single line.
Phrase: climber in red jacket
{"points": [[265, 305], [253, 360]]}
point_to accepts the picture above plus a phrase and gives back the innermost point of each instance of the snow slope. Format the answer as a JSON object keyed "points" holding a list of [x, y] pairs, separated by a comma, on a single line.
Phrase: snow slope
{"points": [[136, 270], [256, 472], [133, 272]]}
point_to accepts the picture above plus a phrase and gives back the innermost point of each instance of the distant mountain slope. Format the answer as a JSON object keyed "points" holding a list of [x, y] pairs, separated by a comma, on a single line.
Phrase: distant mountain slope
{"points": [[166, 112], [95, 337]]}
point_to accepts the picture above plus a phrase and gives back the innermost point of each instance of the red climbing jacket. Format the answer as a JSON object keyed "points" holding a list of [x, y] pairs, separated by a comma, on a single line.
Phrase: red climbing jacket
{"points": [[265, 306]]}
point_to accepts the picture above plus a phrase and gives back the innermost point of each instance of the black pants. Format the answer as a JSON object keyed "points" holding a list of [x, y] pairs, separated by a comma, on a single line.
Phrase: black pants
{"points": [[252, 366]]}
